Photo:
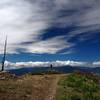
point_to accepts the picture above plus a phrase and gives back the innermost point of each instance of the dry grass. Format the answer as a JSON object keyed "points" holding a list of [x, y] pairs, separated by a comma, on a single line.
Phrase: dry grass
{"points": [[27, 87]]}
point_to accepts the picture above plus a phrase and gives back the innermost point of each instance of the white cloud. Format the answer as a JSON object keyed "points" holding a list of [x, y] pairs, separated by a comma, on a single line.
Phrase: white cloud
{"points": [[17, 65], [21, 21], [96, 64], [24, 20], [57, 63], [83, 14], [52, 45]]}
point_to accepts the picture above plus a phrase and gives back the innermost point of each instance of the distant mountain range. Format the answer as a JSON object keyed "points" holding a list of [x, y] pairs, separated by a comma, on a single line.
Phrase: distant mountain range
{"points": [[64, 69]]}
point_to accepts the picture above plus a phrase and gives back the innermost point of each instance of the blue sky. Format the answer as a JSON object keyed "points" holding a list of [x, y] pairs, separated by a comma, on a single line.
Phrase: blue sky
{"points": [[50, 30]]}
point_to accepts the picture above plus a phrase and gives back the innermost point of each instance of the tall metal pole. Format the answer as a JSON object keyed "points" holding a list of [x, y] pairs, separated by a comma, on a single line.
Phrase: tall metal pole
{"points": [[4, 55]]}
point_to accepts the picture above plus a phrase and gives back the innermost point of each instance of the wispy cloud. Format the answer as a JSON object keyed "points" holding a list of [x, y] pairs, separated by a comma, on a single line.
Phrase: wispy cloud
{"points": [[21, 21], [52, 45], [24, 21]]}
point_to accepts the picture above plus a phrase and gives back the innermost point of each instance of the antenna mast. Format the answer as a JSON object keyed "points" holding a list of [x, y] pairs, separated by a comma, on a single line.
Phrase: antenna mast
{"points": [[4, 55]]}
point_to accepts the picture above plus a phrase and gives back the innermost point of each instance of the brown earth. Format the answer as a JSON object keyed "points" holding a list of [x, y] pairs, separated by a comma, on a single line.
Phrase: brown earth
{"points": [[28, 87]]}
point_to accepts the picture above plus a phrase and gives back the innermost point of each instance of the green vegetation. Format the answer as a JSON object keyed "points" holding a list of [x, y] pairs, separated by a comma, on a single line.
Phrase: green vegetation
{"points": [[78, 86]]}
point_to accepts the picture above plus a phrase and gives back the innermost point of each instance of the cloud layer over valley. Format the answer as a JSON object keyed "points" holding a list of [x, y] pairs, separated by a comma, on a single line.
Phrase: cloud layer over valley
{"points": [[17, 65]]}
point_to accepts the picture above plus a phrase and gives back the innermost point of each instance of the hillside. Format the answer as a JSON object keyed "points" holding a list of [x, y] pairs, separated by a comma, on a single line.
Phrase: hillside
{"points": [[49, 86], [63, 69]]}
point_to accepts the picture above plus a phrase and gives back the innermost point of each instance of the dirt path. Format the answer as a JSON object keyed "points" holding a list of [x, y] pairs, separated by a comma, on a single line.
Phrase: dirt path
{"points": [[29, 87], [53, 88]]}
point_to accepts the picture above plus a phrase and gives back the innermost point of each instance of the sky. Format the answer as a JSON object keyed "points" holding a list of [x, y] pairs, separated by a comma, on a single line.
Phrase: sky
{"points": [[50, 31]]}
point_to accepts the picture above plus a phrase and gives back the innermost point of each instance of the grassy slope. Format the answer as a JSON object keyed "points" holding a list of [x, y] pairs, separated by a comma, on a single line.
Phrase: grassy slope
{"points": [[78, 86]]}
